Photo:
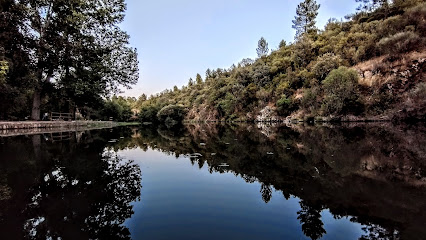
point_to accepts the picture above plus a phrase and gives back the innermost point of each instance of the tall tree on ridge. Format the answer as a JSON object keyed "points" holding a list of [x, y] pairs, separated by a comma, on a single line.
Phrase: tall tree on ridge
{"points": [[262, 48], [198, 79], [306, 13]]}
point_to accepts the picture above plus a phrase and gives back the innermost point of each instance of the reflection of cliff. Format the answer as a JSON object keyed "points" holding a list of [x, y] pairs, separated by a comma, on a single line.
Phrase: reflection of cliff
{"points": [[72, 189], [375, 173]]}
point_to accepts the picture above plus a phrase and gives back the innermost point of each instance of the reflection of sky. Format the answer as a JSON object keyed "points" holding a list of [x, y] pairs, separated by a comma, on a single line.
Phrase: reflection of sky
{"points": [[181, 201]]}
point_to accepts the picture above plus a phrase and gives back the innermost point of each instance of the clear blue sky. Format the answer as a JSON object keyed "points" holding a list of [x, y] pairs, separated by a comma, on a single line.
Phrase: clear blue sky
{"points": [[176, 39]]}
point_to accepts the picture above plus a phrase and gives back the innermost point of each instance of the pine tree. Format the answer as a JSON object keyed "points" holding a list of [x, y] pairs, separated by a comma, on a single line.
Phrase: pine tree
{"points": [[262, 48], [304, 21], [198, 79], [283, 43], [371, 5], [208, 73]]}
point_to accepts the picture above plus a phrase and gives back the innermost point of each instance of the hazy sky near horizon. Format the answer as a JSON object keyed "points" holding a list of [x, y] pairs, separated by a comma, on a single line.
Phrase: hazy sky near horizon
{"points": [[176, 39]]}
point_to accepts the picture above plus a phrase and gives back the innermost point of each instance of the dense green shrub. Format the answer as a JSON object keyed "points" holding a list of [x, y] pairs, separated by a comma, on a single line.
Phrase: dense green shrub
{"points": [[400, 43], [341, 92], [325, 64], [417, 17], [171, 115], [148, 114], [116, 110], [285, 105], [303, 51], [311, 99]]}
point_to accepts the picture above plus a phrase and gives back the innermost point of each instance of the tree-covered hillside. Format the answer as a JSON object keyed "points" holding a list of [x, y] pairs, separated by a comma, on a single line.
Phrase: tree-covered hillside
{"points": [[370, 66]]}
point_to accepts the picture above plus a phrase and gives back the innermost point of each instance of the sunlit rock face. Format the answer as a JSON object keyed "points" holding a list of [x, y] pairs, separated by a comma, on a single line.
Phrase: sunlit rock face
{"points": [[267, 114]]}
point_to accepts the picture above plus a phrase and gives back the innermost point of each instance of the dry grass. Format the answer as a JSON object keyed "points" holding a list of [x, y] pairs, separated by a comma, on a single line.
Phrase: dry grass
{"points": [[381, 70]]}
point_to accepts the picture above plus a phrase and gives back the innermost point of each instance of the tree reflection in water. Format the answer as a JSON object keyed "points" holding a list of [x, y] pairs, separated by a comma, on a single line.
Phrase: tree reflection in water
{"points": [[310, 218], [83, 190], [69, 205], [374, 174]]}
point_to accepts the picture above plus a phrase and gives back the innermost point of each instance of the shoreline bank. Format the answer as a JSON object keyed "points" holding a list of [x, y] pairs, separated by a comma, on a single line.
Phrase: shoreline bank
{"points": [[10, 128]]}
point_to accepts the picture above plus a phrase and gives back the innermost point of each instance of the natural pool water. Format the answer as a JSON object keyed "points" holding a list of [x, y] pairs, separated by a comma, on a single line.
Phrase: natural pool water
{"points": [[216, 182]]}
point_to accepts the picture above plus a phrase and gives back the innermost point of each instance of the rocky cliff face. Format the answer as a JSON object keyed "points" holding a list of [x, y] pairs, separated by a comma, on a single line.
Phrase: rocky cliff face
{"points": [[399, 82], [268, 114], [202, 113]]}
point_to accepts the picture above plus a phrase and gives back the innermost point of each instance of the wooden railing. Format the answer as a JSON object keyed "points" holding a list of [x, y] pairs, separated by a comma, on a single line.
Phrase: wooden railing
{"points": [[55, 116]]}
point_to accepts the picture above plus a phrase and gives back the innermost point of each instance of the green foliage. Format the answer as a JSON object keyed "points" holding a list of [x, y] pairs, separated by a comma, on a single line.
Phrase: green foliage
{"points": [[262, 48], [148, 114], [171, 115], [198, 79], [311, 99], [101, 60], [117, 109], [282, 44], [325, 64], [295, 75], [303, 51], [79, 44], [284, 105], [227, 104], [341, 92], [304, 21], [400, 43], [4, 67]]}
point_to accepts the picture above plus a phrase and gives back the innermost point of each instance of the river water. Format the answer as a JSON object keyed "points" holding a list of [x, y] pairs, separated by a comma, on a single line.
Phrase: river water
{"points": [[359, 181]]}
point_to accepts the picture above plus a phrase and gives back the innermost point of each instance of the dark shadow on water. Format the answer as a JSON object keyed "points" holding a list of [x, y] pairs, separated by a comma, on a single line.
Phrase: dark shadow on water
{"points": [[72, 188], [78, 188], [373, 173]]}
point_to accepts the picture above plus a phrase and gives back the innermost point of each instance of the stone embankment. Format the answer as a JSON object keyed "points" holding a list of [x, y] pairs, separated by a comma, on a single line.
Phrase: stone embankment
{"points": [[35, 127]]}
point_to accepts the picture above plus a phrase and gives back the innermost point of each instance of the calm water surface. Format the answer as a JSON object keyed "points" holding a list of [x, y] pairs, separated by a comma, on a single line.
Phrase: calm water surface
{"points": [[216, 182]]}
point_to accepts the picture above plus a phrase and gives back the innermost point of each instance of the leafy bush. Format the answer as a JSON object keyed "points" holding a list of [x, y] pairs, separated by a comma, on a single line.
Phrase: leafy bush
{"points": [[310, 99], [171, 115], [303, 51], [417, 17], [148, 114], [118, 111], [400, 43], [325, 64], [284, 105], [341, 92]]}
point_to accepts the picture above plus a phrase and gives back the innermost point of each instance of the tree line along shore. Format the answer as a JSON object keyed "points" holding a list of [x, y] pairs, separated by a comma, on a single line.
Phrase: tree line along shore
{"points": [[370, 66]]}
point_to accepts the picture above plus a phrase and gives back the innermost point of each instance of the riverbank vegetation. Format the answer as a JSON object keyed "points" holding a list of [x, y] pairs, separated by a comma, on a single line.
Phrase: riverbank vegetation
{"points": [[64, 56], [368, 67]]}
